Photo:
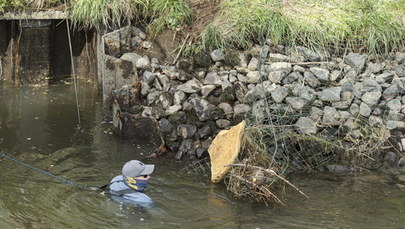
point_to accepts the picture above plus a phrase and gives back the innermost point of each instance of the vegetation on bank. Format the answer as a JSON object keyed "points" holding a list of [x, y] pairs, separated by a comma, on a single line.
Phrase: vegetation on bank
{"points": [[88, 14], [159, 14], [375, 26], [18, 5]]}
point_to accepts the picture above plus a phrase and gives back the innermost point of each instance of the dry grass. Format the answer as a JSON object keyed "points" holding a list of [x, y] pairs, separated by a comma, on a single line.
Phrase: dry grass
{"points": [[373, 26], [359, 25], [272, 149]]}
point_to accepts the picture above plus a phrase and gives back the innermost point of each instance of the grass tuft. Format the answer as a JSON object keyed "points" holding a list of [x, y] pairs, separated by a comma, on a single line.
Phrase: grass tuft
{"points": [[160, 14], [43, 3], [360, 25], [242, 22], [6, 5], [373, 26], [170, 14], [95, 13]]}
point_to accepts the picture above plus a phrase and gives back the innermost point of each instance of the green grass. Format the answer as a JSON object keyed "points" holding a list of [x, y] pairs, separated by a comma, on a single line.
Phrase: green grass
{"points": [[6, 5], [43, 3], [374, 26], [378, 24], [95, 13], [159, 14], [169, 14], [241, 22], [370, 26], [15, 5]]}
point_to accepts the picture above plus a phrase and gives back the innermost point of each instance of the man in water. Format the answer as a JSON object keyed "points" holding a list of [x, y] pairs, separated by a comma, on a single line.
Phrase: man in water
{"points": [[128, 188]]}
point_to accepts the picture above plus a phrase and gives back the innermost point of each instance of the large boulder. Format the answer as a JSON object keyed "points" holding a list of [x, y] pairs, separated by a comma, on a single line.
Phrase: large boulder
{"points": [[224, 150]]}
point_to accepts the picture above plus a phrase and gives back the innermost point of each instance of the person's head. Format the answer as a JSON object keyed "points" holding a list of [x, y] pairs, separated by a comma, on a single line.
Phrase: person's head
{"points": [[137, 169]]}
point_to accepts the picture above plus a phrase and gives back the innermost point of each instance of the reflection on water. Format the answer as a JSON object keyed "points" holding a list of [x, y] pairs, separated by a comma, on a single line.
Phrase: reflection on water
{"points": [[40, 127]]}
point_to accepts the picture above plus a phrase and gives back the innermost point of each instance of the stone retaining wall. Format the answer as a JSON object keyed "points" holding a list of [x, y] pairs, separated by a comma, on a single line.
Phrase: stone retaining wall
{"points": [[193, 101]]}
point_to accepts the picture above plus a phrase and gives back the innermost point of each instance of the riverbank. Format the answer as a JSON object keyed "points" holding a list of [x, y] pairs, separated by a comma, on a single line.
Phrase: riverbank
{"points": [[363, 26], [296, 99], [37, 122], [295, 102]]}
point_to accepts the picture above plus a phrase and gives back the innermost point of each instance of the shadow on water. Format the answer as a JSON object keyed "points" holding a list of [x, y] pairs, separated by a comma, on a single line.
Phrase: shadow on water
{"points": [[39, 127]]}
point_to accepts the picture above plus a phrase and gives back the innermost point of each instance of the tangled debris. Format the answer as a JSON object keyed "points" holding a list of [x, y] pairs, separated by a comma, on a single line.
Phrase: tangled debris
{"points": [[272, 148]]}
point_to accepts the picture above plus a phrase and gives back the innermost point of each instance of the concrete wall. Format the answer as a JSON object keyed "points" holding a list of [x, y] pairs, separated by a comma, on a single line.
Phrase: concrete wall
{"points": [[83, 52], [116, 69], [5, 38], [2, 47], [37, 51], [33, 62]]}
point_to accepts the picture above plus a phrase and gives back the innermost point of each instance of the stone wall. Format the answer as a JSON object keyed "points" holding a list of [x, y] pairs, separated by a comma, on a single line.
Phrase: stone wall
{"points": [[192, 103]]}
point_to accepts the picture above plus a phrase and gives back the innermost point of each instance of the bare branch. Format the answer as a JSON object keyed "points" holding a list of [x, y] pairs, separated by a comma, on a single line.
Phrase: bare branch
{"points": [[263, 189], [272, 173]]}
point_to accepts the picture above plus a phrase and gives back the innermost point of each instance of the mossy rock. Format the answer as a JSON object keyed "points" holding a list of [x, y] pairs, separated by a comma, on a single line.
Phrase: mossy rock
{"points": [[217, 113], [157, 112], [183, 64], [231, 58], [179, 117], [192, 119], [227, 96], [214, 100], [137, 109], [201, 60], [237, 119]]}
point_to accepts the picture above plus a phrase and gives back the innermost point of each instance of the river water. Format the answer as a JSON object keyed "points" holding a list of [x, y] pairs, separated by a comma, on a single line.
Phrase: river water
{"points": [[39, 126]]}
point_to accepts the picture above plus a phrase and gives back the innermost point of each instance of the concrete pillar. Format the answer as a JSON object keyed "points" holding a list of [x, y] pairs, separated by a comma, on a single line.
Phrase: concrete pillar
{"points": [[7, 50]]}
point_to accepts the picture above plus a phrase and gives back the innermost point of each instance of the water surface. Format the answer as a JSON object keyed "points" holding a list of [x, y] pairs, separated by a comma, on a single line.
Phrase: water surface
{"points": [[40, 126]]}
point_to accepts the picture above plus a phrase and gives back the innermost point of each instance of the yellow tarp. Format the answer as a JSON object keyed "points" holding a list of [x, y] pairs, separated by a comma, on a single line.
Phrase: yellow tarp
{"points": [[224, 150]]}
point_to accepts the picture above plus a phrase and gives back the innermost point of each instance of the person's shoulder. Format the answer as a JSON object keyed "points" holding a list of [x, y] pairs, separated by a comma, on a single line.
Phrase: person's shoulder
{"points": [[117, 178]]}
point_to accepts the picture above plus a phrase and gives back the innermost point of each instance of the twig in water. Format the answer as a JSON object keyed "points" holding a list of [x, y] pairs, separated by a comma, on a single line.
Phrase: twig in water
{"points": [[264, 190], [272, 173]]}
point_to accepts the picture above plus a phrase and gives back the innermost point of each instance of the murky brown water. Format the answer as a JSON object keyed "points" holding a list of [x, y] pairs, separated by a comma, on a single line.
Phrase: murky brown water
{"points": [[39, 127]]}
